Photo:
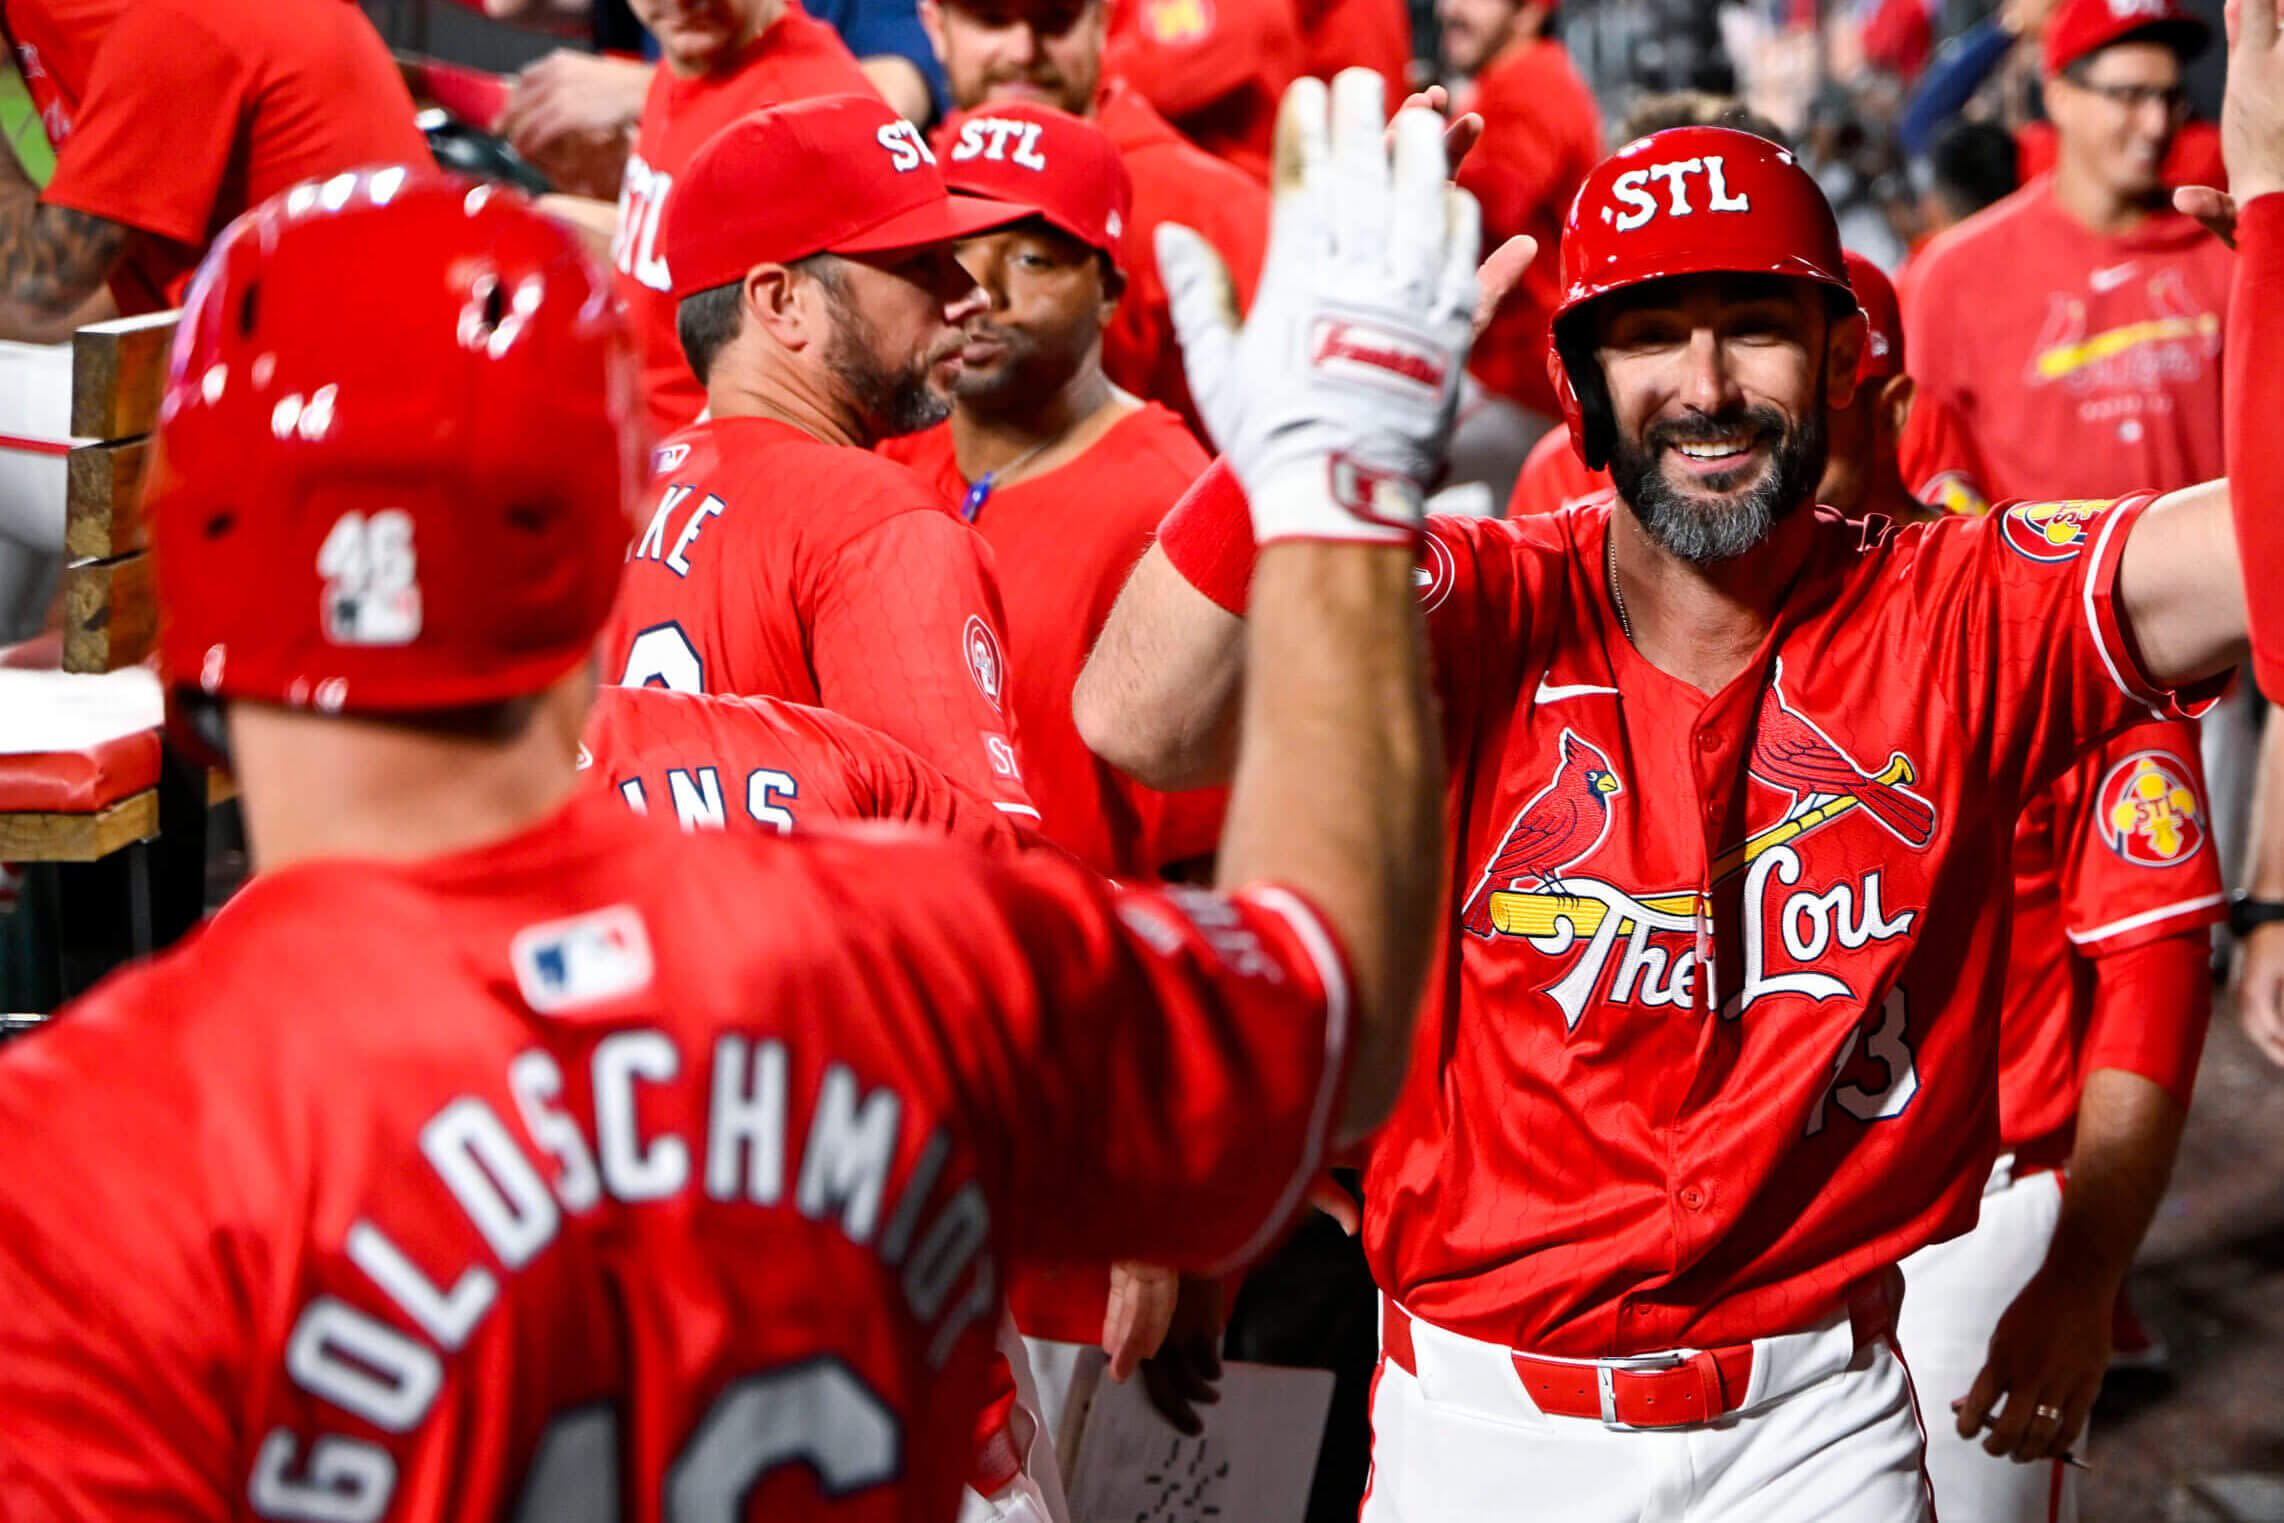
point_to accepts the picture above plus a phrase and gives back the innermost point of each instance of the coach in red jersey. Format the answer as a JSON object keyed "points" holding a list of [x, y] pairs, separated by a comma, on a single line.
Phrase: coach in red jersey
{"points": [[718, 61], [1050, 53], [169, 118], [1065, 475], [819, 302], [1715, 1041], [495, 1153]]}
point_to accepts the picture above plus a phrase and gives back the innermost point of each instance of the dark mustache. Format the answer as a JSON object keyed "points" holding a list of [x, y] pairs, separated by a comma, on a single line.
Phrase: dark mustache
{"points": [[1702, 428]]}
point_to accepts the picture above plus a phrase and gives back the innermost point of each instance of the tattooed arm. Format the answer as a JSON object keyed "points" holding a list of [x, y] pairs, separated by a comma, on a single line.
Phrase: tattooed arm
{"points": [[53, 261]]}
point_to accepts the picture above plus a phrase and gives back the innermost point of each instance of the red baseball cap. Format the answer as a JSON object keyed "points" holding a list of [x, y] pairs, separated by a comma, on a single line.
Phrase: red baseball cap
{"points": [[1875, 293], [839, 174], [2079, 27], [1064, 165]]}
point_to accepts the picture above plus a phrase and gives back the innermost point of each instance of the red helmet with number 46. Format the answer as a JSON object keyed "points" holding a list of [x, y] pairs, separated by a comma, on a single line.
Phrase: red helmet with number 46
{"points": [[395, 458], [1686, 201]]}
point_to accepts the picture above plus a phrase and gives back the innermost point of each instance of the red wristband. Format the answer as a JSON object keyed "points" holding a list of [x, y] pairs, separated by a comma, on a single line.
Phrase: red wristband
{"points": [[1209, 537]]}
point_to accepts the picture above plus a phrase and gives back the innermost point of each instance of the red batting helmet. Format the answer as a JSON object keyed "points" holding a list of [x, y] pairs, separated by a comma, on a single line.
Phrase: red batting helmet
{"points": [[1686, 201], [395, 457]]}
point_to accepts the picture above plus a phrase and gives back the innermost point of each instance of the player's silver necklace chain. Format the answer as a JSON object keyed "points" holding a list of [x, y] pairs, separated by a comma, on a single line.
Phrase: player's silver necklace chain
{"points": [[1617, 594], [980, 493]]}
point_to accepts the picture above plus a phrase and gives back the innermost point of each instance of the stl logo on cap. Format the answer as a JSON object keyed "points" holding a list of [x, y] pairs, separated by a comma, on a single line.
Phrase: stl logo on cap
{"points": [[2051, 532], [907, 150], [2154, 10], [984, 661], [2150, 815], [989, 137], [1632, 188]]}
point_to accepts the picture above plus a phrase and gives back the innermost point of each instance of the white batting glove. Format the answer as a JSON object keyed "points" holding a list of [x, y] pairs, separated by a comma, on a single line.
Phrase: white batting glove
{"points": [[1335, 401]]}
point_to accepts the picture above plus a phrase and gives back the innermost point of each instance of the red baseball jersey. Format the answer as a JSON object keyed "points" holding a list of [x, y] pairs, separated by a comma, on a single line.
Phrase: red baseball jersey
{"points": [[1216, 68], [726, 763], [1174, 181], [173, 116], [773, 565], [1554, 478], [610, 1163], [1541, 133], [2118, 853], [2094, 368], [1063, 544], [796, 58], [1715, 1034]]}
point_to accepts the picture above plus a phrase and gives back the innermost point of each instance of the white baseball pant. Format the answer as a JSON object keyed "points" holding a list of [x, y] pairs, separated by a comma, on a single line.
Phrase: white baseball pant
{"points": [[1828, 1433], [1955, 1294]]}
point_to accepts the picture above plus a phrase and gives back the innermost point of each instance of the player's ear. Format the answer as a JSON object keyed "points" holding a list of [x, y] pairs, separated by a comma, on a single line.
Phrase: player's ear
{"points": [[783, 306], [1897, 394]]}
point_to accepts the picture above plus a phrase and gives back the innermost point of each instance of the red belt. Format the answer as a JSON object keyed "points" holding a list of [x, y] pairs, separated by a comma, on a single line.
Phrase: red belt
{"points": [[1659, 1391]]}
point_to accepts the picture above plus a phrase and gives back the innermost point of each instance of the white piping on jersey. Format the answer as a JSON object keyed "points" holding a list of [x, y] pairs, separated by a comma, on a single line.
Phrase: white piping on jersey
{"points": [[1317, 942], [2146, 917], [1022, 809], [2094, 623]]}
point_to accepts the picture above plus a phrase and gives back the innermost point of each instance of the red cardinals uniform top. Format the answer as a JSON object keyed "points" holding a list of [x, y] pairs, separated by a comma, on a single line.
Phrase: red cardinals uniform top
{"points": [[1541, 133], [2117, 854], [1174, 181], [797, 57], [1063, 544], [726, 763], [605, 1159], [173, 116], [775, 565], [2094, 367], [2255, 444], [1716, 1037], [1216, 68]]}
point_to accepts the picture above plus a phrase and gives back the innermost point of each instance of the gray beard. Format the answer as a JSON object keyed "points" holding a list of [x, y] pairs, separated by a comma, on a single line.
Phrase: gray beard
{"points": [[1703, 530]]}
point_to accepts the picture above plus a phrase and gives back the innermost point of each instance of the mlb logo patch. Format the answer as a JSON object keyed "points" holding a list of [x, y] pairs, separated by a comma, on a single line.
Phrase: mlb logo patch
{"points": [[586, 960]]}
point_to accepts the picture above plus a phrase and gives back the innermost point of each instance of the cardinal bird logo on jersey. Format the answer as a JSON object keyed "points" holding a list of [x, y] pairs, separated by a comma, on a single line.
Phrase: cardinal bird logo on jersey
{"points": [[2151, 816], [1791, 755], [1557, 829]]}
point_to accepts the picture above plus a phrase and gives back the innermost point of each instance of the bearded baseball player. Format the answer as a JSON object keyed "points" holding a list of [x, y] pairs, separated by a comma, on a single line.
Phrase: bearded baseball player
{"points": [[495, 1154], [1712, 1042]]}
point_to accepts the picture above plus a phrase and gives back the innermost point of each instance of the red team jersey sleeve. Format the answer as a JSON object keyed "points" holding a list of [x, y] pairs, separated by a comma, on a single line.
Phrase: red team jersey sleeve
{"points": [[2254, 389], [2142, 867], [907, 636], [1135, 1027], [2030, 635]]}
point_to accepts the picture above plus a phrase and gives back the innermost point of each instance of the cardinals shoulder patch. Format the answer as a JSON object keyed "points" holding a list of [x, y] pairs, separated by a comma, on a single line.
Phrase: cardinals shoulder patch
{"points": [[2151, 814]]}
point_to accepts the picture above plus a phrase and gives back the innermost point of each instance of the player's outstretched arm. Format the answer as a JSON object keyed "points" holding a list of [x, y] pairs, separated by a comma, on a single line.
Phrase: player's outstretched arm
{"points": [[1339, 773], [2195, 591]]}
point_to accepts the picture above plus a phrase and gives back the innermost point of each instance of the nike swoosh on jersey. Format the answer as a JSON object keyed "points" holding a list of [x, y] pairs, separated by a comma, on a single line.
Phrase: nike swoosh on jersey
{"points": [[1550, 693], [2111, 277]]}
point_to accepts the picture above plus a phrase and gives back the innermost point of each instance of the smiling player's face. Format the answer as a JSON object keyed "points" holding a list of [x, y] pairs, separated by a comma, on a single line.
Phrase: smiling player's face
{"points": [[1718, 385]]}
